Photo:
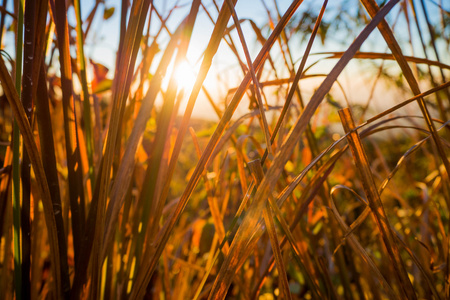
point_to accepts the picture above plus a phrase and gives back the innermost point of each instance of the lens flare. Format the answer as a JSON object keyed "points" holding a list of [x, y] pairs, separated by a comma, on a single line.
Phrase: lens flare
{"points": [[185, 76]]}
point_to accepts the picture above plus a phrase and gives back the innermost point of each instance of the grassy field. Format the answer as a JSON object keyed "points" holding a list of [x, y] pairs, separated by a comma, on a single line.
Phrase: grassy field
{"points": [[316, 176]]}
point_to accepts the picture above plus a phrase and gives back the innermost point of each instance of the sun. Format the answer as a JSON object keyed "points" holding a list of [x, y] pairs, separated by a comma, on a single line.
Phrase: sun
{"points": [[185, 75]]}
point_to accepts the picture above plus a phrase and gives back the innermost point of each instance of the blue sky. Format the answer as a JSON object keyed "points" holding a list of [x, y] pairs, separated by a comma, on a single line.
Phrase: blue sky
{"points": [[103, 39], [101, 43]]}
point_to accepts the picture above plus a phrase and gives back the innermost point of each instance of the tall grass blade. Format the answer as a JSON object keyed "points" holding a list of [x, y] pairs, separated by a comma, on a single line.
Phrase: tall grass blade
{"points": [[357, 247], [126, 166], [433, 35], [127, 54], [6, 223], [412, 99], [387, 56], [257, 87], [76, 191], [298, 76], [36, 163], [16, 156], [375, 204], [424, 47], [155, 176], [49, 164], [135, 208], [212, 200], [222, 281], [143, 276], [372, 8], [308, 195], [27, 102], [86, 96], [170, 223], [258, 174]]}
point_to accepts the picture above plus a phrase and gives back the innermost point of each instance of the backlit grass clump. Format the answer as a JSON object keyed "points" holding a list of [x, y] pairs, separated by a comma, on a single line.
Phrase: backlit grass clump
{"points": [[318, 169]]}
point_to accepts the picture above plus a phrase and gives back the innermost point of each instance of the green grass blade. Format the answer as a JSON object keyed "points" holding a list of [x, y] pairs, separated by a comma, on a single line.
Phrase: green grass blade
{"points": [[16, 163], [86, 97]]}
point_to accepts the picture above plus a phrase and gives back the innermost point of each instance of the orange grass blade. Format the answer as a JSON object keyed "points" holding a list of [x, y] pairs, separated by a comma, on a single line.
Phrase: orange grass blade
{"points": [[6, 218], [360, 220], [75, 181], [423, 270], [298, 75], [412, 99], [432, 35], [372, 8], [126, 166], [358, 248], [307, 196], [170, 223], [265, 126], [244, 233], [258, 174], [144, 273], [212, 201], [425, 52], [386, 56], [93, 241], [156, 171], [375, 204], [5, 273], [86, 96], [303, 120]]}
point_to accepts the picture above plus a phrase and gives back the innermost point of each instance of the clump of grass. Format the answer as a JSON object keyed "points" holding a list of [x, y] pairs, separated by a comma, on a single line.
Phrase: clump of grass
{"points": [[112, 199]]}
